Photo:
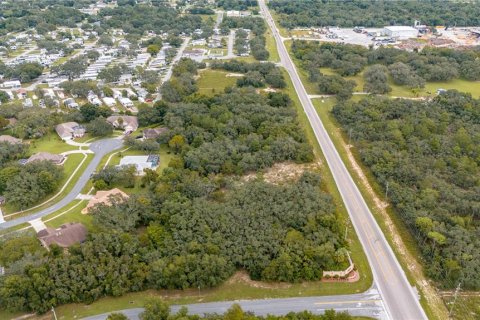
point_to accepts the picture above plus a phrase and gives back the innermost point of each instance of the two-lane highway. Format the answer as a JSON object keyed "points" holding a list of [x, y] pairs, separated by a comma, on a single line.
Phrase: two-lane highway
{"points": [[367, 304], [399, 297]]}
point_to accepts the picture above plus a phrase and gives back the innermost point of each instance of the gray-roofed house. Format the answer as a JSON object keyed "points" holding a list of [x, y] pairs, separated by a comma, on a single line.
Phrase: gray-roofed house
{"points": [[65, 236], [57, 159], [70, 130], [127, 123], [154, 133], [10, 139]]}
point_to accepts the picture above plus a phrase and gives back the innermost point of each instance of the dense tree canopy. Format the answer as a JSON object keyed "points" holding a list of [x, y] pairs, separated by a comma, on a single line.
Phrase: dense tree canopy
{"points": [[309, 13], [428, 153], [406, 68]]}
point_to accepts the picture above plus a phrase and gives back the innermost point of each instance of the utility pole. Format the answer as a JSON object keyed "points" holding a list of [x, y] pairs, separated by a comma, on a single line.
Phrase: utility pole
{"points": [[349, 135], [54, 314], [455, 296], [386, 191]]}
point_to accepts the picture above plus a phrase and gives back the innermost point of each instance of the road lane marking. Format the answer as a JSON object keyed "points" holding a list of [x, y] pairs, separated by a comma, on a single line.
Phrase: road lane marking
{"points": [[347, 302], [377, 254]]}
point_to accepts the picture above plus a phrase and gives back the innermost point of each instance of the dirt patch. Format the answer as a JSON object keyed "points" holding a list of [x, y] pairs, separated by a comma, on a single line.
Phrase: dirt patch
{"points": [[430, 293], [284, 172], [243, 277], [235, 75]]}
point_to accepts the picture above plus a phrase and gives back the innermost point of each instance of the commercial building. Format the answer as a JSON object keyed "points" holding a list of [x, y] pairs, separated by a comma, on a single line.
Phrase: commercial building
{"points": [[400, 32]]}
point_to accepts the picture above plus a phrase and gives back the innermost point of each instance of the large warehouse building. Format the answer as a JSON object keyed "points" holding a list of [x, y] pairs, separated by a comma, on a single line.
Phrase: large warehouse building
{"points": [[400, 32]]}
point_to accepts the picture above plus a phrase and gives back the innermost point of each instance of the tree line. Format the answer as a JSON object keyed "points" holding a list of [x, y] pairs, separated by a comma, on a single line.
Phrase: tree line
{"points": [[313, 13], [412, 69], [428, 155]]}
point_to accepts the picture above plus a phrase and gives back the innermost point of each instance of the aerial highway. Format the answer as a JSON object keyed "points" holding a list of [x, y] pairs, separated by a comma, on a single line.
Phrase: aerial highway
{"points": [[100, 148], [400, 299], [366, 304]]}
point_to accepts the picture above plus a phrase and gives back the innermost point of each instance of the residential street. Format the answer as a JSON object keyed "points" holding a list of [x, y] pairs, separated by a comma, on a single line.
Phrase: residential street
{"points": [[100, 148], [366, 304], [399, 297]]}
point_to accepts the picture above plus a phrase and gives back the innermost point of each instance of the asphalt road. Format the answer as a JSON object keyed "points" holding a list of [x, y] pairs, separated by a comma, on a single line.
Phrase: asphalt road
{"points": [[100, 148], [366, 304], [400, 299], [177, 58]]}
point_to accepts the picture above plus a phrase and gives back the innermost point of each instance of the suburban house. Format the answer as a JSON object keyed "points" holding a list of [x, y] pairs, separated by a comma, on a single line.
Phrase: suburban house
{"points": [[70, 130], [141, 162], [127, 123], [57, 159], [67, 235], [10, 139], [153, 133], [105, 197]]}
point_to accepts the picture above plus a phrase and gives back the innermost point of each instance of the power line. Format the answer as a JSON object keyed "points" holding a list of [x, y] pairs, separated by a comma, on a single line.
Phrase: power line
{"points": [[455, 296]]}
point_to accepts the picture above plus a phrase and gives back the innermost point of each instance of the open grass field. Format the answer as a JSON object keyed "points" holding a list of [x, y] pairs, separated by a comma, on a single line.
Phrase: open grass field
{"points": [[214, 81]]}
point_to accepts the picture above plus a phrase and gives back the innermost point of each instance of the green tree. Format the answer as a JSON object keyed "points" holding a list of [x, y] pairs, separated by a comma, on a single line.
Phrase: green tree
{"points": [[176, 143], [376, 80], [155, 309], [153, 49], [98, 127], [117, 316]]}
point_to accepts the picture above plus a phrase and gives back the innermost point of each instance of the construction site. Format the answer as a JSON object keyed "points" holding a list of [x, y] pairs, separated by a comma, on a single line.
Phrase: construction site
{"points": [[402, 37]]}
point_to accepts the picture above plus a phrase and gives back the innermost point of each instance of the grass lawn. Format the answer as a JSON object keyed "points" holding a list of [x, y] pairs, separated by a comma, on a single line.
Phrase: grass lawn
{"points": [[50, 143], [70, 213], [214, 81], [465, 308], [12, 229], [271, 46]]}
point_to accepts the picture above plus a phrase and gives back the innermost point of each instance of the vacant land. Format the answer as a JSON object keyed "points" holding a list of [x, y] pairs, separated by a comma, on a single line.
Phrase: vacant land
{"points": [[214, 81]]}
